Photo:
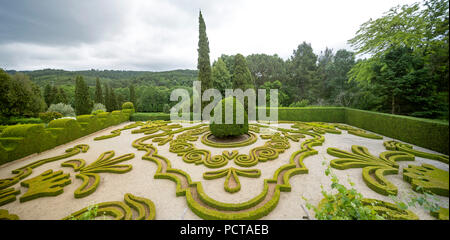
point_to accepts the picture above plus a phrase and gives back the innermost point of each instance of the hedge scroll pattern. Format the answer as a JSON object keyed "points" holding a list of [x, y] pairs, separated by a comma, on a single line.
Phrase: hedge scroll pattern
{"points": [[26, 170], [144, 207], [8, 195], [208, 208], [88, 174], [427, 178], [373, 168], [398, 146], [232, 183], [47, 184]]}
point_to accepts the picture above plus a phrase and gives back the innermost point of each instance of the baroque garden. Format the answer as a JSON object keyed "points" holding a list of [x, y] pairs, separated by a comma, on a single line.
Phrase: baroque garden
{"points": [[383, 154]]}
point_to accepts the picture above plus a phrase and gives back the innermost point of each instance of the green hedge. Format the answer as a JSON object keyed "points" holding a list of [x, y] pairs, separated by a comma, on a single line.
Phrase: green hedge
{"points": [[311, 114], [149, 116], [18, 141], [421, 132]]}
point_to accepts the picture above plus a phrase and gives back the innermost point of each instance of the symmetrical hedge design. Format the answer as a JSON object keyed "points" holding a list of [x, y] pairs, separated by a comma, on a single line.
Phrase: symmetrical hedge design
{"points": [[206, 207], [250, 140], [427, 178], [8, 195], [232, 183], [144, 207], [88, 174], [4, 215], [373, 168], [48, 183], [26, 170], [18, 141], [398, 146]]}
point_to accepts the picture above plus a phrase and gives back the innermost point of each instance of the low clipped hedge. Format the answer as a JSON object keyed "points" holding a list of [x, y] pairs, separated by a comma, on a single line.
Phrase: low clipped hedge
{"points": [[21, 140]]}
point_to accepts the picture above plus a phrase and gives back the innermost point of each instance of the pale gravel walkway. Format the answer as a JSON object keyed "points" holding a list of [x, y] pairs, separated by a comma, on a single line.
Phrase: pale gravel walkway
{"points": [[140, 181]]}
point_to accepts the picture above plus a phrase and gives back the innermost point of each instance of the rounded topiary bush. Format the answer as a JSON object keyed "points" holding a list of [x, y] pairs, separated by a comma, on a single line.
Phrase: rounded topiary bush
{"points": [[127, 105], [220, 128]]}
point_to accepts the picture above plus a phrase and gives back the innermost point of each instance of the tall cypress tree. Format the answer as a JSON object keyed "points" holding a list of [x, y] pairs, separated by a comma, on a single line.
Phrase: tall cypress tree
{"points": [[98, 92], [203, 65], [83, 103], [132, 95], [107, 98]]}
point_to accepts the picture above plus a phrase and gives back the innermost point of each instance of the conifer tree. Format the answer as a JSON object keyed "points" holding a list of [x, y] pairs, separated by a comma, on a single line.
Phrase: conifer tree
{"points": [[242, 78], [132, 95], [98, 92], [48, 95], [203, 65], [113, 99], [107, 98], [83, 103], [221, 77]]}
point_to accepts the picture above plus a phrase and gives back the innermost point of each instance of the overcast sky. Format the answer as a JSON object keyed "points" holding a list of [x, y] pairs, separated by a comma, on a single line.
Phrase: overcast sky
{"points": [[156, 35]]}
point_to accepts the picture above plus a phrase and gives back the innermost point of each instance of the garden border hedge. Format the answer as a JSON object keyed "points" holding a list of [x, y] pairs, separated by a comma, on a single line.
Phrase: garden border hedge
{"points": [[21, 140]]}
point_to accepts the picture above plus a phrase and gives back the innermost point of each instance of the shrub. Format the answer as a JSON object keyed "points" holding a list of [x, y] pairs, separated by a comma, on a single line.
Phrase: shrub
{"points": [[16, 120], [127, 105], [49, 116], [97, 112], [65, 109], [346, 204], [220, 128], [98, 107]]}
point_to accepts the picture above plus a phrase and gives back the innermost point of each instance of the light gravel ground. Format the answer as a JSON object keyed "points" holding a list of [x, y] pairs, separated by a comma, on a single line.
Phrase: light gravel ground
{"points": [[140, 181]]}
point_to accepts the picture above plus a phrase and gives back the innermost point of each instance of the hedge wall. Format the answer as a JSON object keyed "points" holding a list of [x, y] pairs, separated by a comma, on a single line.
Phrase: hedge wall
{"points": [[421, 132], [18, 141]]}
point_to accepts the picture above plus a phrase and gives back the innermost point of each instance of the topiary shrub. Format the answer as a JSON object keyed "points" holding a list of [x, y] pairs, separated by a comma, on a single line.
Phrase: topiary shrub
{"points": [[220, 128], [127, 105], [46, 117], [65, 109]]}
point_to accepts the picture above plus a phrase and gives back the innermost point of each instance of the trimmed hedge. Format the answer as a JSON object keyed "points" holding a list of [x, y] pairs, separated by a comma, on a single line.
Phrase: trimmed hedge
{"points": [[421, 132], [149, 116], [18, 141]]}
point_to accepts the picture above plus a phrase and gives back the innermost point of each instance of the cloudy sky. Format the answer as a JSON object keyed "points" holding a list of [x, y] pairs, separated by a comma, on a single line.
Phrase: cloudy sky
{"points": [[156, 35]]}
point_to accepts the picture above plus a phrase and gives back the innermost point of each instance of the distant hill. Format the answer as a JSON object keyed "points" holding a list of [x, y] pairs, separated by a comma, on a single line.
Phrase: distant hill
{"points": [[115, 78]]}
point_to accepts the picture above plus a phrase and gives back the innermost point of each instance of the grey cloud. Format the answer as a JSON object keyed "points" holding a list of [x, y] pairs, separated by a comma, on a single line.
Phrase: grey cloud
{"points": [[55, 22]]}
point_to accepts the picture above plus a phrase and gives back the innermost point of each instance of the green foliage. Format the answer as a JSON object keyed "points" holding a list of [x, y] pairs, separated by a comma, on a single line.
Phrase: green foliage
{"points": [[149, 116], [46, 117], [98, 108], [203, 63], [241, 78], [19, 96], [98, 92], [221, 77], [166, 108], [83, 103], [345, 204], [132, 95], [421, 132], [65, 109], [90, 214], [220, 128], [427, 178], [301, 103], [19, 120], [128, 105]]}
